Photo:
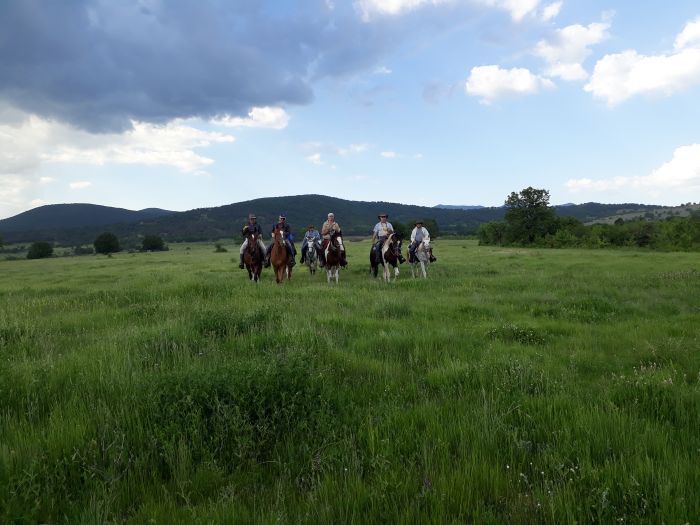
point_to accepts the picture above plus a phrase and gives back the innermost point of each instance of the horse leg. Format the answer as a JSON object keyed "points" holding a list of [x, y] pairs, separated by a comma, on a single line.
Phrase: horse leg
{"points": [[396, 272], [422, 268], [337, 271]]}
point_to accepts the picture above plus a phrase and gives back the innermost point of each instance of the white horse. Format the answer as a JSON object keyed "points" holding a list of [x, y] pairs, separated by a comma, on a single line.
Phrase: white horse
{"points": [[421, 259], [311, 258]]}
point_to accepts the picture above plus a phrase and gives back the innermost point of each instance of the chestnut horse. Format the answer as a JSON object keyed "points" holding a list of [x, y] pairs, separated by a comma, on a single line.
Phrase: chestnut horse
{"points": [[253, 257], [333, 256], [278, 256], [389, 256]]}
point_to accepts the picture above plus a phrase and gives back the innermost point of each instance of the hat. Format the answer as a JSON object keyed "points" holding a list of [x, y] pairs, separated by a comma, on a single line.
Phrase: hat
{"points": [[418, 221], [331, 214], [311, 227], [383, 215], [283, 216], [252, 216]]}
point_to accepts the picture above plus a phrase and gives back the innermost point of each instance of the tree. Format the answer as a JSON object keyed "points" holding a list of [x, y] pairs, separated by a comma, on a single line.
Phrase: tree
{"points": [[1, 241], [432, 226], [153, 243], [529, 216], [401, 229], [106, 243], [493, 232], [40, 250]]}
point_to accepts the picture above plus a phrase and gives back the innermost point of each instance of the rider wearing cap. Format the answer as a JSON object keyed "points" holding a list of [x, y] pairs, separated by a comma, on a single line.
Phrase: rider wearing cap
{"points": [[311, 238], [329, 227], [251, 226], [381, 233], [288, 241], [418, 235]]}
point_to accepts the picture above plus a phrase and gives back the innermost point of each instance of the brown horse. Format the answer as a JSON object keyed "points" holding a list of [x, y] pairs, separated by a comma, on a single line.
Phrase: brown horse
{"points": [[278, 256], [334, 257], [253, 257]]}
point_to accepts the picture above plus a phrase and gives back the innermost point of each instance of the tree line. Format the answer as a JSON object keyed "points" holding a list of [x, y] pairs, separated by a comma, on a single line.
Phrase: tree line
{"points": [[531, 221]]}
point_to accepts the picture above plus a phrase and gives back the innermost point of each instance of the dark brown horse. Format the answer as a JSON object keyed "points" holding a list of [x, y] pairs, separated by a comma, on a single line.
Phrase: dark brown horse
{"points": [[334, 256], [279, 257], [389, 256], [253, 257]]}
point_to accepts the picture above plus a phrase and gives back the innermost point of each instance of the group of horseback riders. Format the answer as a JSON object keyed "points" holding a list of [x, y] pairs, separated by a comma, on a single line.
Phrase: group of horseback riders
{"points": [[319, 241]]}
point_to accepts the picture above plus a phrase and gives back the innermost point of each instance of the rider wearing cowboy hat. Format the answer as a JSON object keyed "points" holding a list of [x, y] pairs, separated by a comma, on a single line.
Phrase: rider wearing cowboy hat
{"points": [[311, 238], [288, 241], [381, 233], [418, 235], [251, 226]]}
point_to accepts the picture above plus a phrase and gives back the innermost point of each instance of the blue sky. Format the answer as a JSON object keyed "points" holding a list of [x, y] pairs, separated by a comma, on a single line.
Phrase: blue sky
{"points": [[180, 105]]}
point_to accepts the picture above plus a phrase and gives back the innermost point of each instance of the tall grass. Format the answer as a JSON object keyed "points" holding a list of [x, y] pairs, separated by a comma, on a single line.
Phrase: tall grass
{"points": [[513, 386]]}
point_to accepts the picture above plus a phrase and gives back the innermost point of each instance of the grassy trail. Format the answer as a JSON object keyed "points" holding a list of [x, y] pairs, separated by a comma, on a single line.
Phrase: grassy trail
{"points": [[514, 385]]}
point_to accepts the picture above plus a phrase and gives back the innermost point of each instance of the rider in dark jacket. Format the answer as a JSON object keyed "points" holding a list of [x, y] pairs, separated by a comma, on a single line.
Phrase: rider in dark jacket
{"points": [[251, 226], [288, 239]]}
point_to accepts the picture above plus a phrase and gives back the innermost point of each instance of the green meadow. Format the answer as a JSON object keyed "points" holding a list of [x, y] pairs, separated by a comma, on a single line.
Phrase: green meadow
{"points": [[512, 386]]}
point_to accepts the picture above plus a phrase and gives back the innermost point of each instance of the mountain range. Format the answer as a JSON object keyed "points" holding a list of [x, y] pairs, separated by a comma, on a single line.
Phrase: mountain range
{"points": [[73, 224]]}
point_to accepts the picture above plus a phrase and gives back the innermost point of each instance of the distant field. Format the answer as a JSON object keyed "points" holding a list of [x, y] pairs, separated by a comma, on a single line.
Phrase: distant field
{"points": [[514, 386]]}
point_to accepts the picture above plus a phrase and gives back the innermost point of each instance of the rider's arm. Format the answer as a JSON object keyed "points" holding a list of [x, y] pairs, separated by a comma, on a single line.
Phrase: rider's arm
{"points": [[413, 235], [426, 235]]}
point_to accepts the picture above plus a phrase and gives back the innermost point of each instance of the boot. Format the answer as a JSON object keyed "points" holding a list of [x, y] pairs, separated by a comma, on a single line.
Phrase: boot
{"points": [[433, 259], [343, 260], [266, 263], [291, 262], [402, 259], [240, 264]]}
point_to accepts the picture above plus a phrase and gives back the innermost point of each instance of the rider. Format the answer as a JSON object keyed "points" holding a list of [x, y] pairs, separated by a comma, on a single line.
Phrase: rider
{"points": [[418, 235], [288, 241], [251, 226], [311, 238], [329, 227], [381, 233]]}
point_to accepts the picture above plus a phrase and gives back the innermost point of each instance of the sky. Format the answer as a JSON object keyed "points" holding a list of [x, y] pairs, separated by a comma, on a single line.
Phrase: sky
{"points": [[181, 104]]}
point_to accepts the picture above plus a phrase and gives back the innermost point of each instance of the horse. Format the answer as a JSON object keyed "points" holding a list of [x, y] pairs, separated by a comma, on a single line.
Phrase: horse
{"points": [[253, 257], [279, 257], [421, 258], [311, 258], [334, 257], [389, 256]]}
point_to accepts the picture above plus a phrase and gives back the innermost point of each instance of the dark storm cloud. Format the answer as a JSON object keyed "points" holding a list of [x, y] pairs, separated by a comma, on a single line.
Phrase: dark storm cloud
{"points": [[98, 64]]}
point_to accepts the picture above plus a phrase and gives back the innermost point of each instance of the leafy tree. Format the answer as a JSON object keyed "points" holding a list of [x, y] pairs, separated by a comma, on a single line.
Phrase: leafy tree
{"points": [[529, 216], [1, 245], [106, 243], [40, 250], [153, 243], [432, 226], [401, 228], [493, 232]]}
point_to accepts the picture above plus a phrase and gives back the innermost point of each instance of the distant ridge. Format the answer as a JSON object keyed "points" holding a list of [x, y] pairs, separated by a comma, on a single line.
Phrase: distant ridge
{"points": [[458, 207], [74, 224], [60, 216]]}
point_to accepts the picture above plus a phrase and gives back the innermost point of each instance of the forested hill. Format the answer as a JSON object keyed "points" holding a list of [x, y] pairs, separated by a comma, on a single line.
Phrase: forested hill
{"points": [[63, 216], [356, 218]]}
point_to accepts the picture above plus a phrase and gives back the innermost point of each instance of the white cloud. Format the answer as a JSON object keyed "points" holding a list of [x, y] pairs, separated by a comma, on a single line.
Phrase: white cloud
{"points": [[371, 8], [551, 11], [491, 83], [680, 176], [388, 154], [382, 70], [315, 159], [566, 50], [518, 9], [618, 77], [80, 185], [352, 149], [689, 37], [28, 142], [172, 144], [263, 117]]}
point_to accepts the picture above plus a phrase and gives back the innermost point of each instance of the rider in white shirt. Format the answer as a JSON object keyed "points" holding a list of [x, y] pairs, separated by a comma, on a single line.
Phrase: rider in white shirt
{"points": [[418, 235], [380, 233]]}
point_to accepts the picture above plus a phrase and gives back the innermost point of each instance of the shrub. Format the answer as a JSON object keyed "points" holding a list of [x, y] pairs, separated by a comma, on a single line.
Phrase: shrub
{"points": [[40, 250], [83, 250], [219, 248], [153, 243], [106, 243]]}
